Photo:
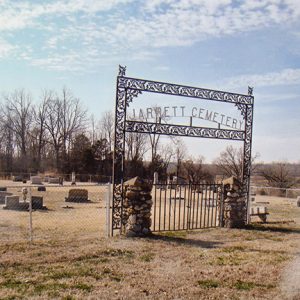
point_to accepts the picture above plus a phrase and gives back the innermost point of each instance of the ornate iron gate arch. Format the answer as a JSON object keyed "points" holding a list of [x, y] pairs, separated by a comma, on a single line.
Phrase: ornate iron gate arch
{"points": [[128, 88]]}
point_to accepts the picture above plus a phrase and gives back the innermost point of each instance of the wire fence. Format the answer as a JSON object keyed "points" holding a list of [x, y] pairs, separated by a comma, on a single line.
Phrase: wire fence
{"points": [[24, 177], [277, 192], [52, 213], [273, 209]]}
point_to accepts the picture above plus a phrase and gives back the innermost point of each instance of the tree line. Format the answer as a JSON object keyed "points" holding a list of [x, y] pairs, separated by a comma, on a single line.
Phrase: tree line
{"points": [[56, 133]]}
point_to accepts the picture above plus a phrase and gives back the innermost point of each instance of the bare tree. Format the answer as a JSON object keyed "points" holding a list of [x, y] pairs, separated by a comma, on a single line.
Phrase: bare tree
{"points": [[107, 127], [230, 162], [136, 145], [279, 175], [195, 171], [64, 119], [38, 132], [167, 152], [18, 118], [180, 154]]}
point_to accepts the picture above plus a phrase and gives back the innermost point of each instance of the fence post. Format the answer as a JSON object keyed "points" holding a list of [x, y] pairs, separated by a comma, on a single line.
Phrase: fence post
{"points": [[30, 217], [108, 202]]}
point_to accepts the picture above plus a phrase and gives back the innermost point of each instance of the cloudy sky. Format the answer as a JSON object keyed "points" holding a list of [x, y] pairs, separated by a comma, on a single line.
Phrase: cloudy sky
{"points": [[221, 44]]}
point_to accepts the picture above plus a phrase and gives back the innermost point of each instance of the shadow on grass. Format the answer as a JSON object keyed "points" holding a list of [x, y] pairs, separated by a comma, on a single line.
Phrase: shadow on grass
{"points": [[185, 241], [273, 226]]}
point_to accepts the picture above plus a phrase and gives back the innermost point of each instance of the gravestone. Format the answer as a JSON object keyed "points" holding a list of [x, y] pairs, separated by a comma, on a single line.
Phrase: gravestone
{"points": [[73, 179], [11, 202], [298, 201], [155, 178], [3, 195], [3, 189], [77, 195], [53, 180], [36, 180], [17, 178], [37, 202], [41, 188]]}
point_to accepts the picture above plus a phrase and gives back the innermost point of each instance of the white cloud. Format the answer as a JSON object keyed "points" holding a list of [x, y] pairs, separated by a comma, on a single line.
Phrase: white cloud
{"points": [[283, 77], [86, 28], [5, 48]]}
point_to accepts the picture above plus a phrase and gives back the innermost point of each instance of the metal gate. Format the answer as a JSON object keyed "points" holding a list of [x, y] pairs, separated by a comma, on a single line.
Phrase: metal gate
{"points": [[186, 206], [129, 88]]}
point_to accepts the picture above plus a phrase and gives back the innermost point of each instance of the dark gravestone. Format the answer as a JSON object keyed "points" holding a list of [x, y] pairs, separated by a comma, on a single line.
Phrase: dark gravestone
{"points": [[3, 195], [41, 189], [37, 202], [3, 189], [78, 195], [17, 178], [11, 202]]}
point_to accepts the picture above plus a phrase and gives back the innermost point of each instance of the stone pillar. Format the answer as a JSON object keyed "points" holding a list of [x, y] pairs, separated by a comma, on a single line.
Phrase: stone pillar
{"points": [[137, 207], [235, 205]]}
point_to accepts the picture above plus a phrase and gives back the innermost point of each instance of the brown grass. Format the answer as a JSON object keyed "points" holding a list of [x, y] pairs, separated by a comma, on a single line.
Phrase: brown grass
{"points": [[71, 259], [207, 264]]}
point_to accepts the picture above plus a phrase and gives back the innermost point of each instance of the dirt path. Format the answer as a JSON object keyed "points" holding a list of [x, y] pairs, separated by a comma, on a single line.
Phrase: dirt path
{"points": [[290, 284]]}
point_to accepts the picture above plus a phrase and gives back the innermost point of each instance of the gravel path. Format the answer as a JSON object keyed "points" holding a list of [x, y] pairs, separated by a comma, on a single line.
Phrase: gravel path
{"points": [[290, 284]]}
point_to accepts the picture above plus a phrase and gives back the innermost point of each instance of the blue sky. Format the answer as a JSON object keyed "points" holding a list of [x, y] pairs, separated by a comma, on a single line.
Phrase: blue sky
{"points": [[221, 44]]}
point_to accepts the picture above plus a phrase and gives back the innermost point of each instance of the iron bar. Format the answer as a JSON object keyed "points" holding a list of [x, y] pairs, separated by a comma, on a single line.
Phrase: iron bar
{"points": [[183, 130]]}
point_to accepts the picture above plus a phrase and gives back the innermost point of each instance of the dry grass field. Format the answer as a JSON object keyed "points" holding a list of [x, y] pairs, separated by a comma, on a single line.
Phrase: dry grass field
{"points": [[71, 259], [60, 220]]}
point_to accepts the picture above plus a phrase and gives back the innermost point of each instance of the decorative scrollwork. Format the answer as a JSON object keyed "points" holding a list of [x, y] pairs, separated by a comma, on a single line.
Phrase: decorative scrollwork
{"points": [[242, 108], [128, 88], [250, 90], [130, 94], [122, 70], [180, 130], [247, 150], [174, 89]]}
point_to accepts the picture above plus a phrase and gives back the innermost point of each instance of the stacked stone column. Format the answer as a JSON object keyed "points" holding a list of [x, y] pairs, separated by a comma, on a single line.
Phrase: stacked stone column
{"points": [[235, 205], [137, 207]]}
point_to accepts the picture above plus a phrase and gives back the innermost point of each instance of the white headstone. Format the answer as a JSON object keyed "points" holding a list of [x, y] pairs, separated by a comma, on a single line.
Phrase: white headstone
{"points": [[73, 178], [155, 178], [36, 180]]}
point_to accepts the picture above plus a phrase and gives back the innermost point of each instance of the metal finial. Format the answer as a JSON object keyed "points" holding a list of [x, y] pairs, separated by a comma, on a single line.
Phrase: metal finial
{"points": [[122, 70], [250, 90]]}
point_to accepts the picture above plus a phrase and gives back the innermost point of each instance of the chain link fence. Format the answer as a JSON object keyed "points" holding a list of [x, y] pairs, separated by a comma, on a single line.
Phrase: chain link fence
{"points": [[53, 212], [277, 192], [279, 204]]}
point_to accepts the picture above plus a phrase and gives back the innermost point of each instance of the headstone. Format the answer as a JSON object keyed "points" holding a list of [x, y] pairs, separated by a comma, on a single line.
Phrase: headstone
{"points": [[11, 202], [3, 189], [298, 201], [37, 202], [41, 188], [36, 180], [54, 180], [73, 178], [3, 195], [155, 178], [17, 178], [78, 195]]}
